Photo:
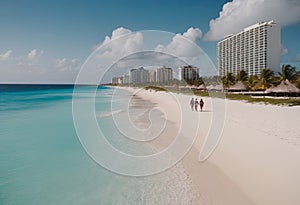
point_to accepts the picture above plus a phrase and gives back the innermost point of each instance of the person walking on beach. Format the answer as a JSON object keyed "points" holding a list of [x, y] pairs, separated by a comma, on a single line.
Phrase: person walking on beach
{"points": [[192, 104], [201, 104], [196, 105]]}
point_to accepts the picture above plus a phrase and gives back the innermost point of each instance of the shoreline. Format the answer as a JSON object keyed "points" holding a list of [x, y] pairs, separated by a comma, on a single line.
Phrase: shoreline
{"points": [[256, 159]]}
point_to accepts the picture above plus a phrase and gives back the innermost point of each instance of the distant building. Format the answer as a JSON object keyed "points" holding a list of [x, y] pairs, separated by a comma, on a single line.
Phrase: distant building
{"points": [[144, 75], [255, 48], [152, 76], [117, 80], [134, 76], [188, 73], [139, 75], [164, 75], [126, 79]]}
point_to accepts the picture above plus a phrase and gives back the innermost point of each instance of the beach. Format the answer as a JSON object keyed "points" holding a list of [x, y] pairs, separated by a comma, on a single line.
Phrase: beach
{"points": [[256, 160]]}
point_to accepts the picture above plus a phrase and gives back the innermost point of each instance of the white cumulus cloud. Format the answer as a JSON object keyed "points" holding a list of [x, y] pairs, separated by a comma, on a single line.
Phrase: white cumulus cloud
{"points": [[193, 34], [297, 58], [66, 65], [114, 45], [180, 46], [184, 49], [284, 51], [6, 55], [35, 54], [239, 14]]}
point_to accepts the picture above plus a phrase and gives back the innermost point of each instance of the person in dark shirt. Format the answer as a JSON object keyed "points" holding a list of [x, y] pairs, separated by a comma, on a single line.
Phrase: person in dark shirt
{"points": [[201, 104]]}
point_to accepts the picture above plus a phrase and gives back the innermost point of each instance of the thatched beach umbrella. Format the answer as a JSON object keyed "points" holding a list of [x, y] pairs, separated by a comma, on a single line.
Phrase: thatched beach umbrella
{"points": [[215, 87], [193, 87], [239, 86], [219, 87], [201, 87], [210, 87], [284, 87]]}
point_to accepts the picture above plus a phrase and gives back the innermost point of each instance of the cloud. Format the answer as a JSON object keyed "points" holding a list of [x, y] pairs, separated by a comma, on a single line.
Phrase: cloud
{"points": [[182, 45], [31, 68], [66, 65], [184, 49], [123, 48], [124, 43], [297, 58], [284, 51], [193, 34], [238, 14], [119, 32], [6, 55], [121, 43], [116, 46], [35, 54]]}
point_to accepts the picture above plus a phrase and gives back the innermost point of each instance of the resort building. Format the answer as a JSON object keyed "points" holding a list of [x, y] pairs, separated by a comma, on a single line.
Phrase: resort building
{"points": [[255, 48], [139, 75], [152, 76], [188, 73], [126, 79], [164, 75], [117, 80]]}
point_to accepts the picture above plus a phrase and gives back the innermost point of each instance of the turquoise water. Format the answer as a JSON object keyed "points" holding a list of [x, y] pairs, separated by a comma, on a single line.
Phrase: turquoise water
{"points": [[41, 159], [43, 162]]}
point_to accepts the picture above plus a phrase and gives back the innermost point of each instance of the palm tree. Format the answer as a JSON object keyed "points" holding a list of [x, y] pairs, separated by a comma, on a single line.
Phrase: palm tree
{"points": [[266, 77], [297, 81], [264, 80], [242, 76], [288, 72], [252, 81], [228, 80]]}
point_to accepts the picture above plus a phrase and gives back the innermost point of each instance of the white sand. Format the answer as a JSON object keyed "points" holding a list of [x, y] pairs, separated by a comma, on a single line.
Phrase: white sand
{"points": [[257, 160]]}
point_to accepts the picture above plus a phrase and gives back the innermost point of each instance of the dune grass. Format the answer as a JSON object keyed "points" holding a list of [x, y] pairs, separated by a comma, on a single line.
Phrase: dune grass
{"points": [[273, 101]]}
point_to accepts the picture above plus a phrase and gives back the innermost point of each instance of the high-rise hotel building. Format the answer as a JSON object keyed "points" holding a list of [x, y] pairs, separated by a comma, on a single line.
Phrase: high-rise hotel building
{"points": [[164, 75], [255, 48], [188, 73]]}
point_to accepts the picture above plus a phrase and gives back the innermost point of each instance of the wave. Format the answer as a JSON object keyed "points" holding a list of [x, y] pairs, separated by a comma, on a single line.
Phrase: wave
{"points": [[108, 114]]}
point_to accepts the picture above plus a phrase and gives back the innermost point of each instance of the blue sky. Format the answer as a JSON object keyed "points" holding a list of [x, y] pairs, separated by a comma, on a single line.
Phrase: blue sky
{"points": [[66, 31]]}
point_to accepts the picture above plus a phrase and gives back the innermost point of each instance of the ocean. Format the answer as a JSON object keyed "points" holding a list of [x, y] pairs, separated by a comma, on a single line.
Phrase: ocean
{"points": [[43, 162]]}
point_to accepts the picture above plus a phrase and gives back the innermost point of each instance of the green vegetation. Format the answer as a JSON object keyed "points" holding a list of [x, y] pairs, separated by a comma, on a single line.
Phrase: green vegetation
{"points": [[289, 73], [242, 76], [230, 96], [246, 98], [265, 100], [155, 88], [265, 80], [228, 80]]}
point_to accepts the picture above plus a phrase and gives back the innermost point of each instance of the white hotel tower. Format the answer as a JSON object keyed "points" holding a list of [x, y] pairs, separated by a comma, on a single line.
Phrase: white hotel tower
{"points": [[255, 48]]}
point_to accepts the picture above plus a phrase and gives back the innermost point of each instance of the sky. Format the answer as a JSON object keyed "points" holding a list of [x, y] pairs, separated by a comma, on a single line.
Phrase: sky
{"points": [[43, 41]]}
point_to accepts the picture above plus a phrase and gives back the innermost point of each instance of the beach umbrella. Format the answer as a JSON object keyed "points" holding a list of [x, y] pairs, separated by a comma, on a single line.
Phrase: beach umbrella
{"points": [[215, 87], [201, 87], [239, 86], [210, 87], [284, 87], [218, 87]]}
